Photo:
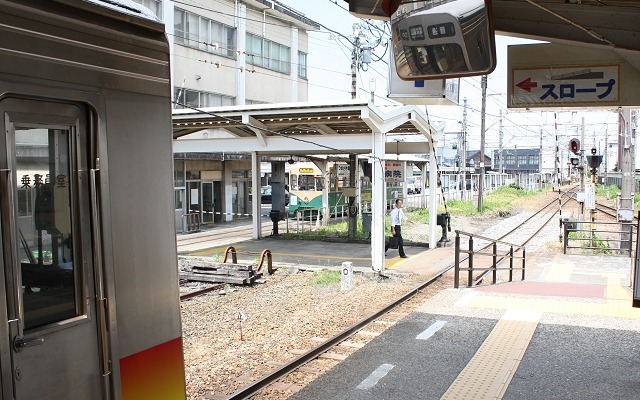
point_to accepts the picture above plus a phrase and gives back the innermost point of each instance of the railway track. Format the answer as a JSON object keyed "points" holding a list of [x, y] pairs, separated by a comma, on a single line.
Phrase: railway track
{"points": [[200, 292], [288, 368], [605, 209]]}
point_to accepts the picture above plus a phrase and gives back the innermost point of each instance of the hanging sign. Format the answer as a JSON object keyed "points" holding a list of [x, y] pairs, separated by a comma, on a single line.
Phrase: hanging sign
{"points": [[564, 86], [394, 171]]}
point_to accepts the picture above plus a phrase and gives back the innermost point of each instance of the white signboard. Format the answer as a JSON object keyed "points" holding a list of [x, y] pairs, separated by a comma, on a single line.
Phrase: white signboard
{"points": [[342, 170], [589, 196], [565, 86], [393, 171], [431, 92]]}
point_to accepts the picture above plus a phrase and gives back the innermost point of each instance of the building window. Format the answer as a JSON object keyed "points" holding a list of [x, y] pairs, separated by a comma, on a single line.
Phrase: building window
{"points": [[178, 173], [533, 160], [204, 34], [267, 54], [509, 159], [302, 65], [194, 98], [154, 5], [522, 160]]}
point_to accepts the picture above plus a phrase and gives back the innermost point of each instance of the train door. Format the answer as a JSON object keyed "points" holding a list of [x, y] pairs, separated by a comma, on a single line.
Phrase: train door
{"points": [[50, 349]]}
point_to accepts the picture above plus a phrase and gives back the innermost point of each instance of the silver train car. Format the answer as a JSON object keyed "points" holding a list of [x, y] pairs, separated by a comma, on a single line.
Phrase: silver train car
{"points": [[90, 304]]}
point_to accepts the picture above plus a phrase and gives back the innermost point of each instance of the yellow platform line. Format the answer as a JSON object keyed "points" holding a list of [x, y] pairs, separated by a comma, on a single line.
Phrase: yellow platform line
{"points": [[215, 250], [491, 369], [559, 273], [395, 262], [318, 256]]}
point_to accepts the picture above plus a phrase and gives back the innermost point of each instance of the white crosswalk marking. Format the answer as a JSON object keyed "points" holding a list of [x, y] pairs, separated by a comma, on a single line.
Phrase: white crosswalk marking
{"points": [[375, 376]]}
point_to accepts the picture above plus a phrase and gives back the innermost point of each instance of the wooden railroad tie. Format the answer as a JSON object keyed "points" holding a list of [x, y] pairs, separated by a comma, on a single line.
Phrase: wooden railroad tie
{"points": [[201, 270], [217, 272]]}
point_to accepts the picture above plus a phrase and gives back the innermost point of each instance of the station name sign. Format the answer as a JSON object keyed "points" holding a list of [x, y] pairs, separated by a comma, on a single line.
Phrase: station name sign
{"points": [[588, 85]]}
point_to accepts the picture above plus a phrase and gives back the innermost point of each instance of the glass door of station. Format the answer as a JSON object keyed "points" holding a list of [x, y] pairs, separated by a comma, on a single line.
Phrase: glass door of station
{"points": [[200, 200], [207, 203]]}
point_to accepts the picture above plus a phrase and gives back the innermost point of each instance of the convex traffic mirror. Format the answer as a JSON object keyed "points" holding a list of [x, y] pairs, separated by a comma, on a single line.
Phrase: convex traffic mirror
{"points": [[442, 39], [436, 39]]}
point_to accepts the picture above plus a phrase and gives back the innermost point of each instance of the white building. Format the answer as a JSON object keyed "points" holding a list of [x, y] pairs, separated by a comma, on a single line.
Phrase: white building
{"points": [[229, 53]]}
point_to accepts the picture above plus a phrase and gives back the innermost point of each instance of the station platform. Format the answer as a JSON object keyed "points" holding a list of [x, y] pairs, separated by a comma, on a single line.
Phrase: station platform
{"points": [[567, 332], [309, 254]]}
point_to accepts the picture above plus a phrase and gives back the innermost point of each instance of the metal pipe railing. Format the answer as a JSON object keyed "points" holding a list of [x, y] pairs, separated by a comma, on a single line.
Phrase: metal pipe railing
{"points": [[496, 259]]}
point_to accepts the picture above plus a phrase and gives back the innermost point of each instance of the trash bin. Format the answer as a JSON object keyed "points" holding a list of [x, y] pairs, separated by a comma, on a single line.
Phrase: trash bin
{"points": [[366, 222]]}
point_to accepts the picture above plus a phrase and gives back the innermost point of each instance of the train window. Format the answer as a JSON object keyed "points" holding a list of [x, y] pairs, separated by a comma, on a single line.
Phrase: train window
{"points": [[43, 163], [306, 182]]}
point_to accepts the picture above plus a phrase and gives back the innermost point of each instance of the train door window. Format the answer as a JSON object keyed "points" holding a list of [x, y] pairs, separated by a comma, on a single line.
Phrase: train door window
{"points": [[46, 240], [43, 161]]}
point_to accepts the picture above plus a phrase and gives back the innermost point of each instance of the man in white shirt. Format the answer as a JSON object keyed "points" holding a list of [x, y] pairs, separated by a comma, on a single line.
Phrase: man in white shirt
{"points": [[397, 216]]}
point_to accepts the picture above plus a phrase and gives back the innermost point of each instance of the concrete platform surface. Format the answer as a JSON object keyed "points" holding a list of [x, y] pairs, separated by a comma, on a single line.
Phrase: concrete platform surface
{"points": [[567, 332]]}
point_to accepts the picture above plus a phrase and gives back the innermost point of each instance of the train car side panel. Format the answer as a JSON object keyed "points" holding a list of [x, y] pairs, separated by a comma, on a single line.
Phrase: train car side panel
{"points": [[114, 68]]}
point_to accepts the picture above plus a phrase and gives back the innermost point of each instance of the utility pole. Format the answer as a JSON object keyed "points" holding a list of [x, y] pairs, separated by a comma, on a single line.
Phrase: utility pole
{"points": [[463, 160], [482, 126], [606, 155], [354, 61], [501, 138], [582, 168], [628, 178], [539, 159], [557, 161]]}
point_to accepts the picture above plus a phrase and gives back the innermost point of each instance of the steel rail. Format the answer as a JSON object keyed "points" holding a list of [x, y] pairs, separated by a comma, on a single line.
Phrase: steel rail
{"points": [[200, 292], [312, 354]]}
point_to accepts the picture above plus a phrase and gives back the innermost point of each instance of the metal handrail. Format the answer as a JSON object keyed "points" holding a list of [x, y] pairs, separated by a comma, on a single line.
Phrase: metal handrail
{"points": [[567, 230], [497, 258], [487, 239]]}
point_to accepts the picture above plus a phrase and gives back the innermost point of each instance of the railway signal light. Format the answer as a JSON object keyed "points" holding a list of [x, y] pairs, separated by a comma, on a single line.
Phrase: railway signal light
{"points": [[574, 161], [574, 146], [594, 161]]}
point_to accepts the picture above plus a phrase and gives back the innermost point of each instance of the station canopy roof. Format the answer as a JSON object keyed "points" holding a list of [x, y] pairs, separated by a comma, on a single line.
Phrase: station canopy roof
{"points": [[303, 128]]}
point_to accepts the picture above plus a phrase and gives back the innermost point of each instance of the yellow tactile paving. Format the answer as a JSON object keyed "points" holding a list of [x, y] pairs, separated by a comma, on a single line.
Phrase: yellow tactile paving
{"points": [[611, 308], [615, 290], [490, 371], [559, 273]]}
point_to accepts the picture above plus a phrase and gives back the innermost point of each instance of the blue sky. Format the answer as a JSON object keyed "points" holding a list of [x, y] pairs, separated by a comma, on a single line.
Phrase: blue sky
{"points": [[329, 79]]}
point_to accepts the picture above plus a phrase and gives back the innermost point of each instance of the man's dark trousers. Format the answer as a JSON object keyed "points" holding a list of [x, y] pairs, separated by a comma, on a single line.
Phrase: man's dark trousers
{"points": [[398, 234]]}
